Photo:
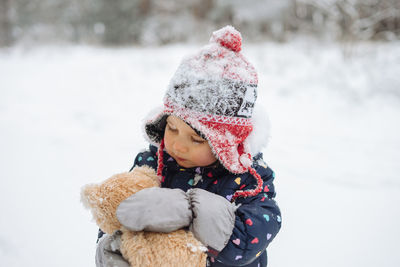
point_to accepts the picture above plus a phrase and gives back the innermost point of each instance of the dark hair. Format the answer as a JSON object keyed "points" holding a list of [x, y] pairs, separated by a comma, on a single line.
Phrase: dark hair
{"points": [[156, 130]]}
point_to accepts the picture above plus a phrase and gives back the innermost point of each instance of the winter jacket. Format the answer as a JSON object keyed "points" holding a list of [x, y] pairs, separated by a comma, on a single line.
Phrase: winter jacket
{"points": [[258, 218]]}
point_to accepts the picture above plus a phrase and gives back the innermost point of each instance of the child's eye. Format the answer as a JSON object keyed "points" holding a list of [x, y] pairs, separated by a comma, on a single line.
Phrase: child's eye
{"points": [[170, 128], [198, 141]]}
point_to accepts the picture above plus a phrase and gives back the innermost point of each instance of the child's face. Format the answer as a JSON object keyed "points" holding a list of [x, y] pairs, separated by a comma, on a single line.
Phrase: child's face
{"points": [[185, 145]]}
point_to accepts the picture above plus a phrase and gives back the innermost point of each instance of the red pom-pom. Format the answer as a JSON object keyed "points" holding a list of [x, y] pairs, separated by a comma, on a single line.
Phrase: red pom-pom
{"points": [[228, 37]]}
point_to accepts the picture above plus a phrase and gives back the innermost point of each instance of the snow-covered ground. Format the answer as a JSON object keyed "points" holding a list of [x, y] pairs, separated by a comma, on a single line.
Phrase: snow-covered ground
{"points": [[72, 115]]}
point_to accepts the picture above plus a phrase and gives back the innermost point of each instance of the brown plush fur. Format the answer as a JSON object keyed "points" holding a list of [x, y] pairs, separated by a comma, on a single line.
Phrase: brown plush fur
{"points": [[179, 248]]}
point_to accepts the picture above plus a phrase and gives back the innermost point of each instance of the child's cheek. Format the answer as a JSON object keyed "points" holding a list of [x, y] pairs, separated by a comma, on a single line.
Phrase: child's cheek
{"points": [[167, 141], [204, 157]]}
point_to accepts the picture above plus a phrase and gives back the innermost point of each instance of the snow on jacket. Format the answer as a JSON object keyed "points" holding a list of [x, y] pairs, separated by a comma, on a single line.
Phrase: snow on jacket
{"points": [[258, 218]]}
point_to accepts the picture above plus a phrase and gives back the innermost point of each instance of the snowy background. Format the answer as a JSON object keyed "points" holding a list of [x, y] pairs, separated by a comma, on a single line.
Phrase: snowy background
{"points": [[71, 115]]}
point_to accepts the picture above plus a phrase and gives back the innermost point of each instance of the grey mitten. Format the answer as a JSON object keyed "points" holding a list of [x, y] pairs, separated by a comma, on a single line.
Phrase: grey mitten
{"points": [[108, 252], [155, 209], [213, 218]]}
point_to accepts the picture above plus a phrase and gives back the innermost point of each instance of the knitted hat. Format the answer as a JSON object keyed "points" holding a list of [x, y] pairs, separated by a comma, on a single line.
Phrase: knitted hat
{"points": [[214, 91]]}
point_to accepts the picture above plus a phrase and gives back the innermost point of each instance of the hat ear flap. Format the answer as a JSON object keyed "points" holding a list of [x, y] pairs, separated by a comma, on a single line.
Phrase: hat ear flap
{"points": [[258, 139], [154, 125]]}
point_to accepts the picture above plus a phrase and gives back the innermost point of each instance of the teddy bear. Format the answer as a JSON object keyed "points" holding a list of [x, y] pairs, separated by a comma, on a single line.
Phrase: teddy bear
{"points": [[178, 248]]}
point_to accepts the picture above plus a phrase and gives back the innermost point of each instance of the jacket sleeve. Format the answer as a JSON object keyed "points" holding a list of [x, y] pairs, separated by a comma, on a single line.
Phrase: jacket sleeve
{"points": [[258, 220]]}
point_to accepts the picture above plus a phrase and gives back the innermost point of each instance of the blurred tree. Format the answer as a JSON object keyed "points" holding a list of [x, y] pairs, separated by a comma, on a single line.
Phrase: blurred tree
{"points": [[122, 22], [347, 19], [6, 38], [122, 19], [201, 9]]}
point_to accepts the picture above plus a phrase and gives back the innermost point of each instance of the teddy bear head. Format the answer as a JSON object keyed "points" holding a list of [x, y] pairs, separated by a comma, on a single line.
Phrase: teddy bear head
{"points": [[103, 199]]}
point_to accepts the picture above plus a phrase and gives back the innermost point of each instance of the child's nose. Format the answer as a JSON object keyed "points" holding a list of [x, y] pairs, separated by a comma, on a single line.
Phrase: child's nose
{"points": [[179, 146]]}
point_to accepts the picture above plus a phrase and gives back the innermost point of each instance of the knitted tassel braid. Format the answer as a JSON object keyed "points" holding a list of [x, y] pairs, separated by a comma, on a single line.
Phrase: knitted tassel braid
{"points": [[160, 161], [252, 192]]}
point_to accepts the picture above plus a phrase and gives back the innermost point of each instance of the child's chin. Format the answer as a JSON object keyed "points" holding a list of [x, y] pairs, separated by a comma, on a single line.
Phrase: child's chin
{"points": [[184, 164]]}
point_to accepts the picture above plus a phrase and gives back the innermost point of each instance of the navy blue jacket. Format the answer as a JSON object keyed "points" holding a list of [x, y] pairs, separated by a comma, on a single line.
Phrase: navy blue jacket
{"points": [[258, 218]]}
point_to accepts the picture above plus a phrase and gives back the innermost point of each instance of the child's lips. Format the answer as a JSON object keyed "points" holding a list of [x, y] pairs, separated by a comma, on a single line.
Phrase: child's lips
{"points": [[177, 158], [180, 159]]}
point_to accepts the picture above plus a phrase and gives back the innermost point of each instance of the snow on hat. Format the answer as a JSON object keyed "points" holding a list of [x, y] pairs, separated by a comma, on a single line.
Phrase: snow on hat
{"points": [[214, 91]]}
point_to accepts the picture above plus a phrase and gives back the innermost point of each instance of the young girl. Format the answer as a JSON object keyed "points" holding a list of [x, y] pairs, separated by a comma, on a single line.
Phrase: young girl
{"points": [[213, 178]]}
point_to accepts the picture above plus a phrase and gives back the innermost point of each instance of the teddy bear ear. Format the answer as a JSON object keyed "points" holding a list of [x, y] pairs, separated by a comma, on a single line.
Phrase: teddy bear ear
{"points": [[88, 195], [145, 176]]}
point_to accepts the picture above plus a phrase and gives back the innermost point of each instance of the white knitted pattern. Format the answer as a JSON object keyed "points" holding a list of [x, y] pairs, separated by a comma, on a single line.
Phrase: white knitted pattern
{"points": [[185, 113]]}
